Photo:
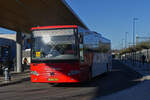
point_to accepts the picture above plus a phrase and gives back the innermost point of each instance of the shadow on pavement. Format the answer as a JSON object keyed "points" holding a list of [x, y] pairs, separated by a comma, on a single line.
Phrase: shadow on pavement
{"points": [[121, 77], [91, 83]]}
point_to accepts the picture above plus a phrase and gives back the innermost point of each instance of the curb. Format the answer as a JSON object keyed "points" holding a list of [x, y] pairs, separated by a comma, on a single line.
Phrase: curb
{"points": [[25, 77], [14, 82]]}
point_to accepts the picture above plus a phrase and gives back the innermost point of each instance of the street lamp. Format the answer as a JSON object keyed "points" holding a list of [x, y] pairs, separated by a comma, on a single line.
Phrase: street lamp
{"points": [[122, 43], [126, 39], [134, 20]]}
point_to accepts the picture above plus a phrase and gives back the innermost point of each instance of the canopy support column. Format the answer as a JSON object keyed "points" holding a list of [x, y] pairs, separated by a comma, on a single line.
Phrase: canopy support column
{"points": [[19, 51]]}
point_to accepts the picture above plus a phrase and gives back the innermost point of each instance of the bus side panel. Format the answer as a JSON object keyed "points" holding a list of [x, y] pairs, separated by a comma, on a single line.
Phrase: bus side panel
{"points": [[99, 64]]}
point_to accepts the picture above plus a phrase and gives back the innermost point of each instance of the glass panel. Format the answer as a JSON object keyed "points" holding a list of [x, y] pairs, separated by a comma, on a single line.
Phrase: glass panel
{"points": [[81, 53], [81, 48], [5, 51], [48, 45]]}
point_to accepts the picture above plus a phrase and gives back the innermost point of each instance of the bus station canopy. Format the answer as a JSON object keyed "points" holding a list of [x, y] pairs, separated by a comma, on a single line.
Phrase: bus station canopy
{"points": [[21, 15]]}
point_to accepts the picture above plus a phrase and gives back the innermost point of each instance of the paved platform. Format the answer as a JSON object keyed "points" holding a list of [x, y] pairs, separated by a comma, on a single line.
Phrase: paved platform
{"points": [[16, 78], [143, 69], [137, 92]]}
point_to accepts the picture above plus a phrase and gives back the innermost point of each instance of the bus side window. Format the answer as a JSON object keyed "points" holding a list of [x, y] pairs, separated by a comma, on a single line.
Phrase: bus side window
{"points": [[81, 48]]}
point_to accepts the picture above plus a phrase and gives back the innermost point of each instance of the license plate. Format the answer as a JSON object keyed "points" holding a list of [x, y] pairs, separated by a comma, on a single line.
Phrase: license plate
{"points": [[52, 79]]}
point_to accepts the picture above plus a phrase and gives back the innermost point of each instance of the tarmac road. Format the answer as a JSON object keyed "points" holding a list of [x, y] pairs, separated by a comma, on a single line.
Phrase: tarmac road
{"points": [[119, 79]]}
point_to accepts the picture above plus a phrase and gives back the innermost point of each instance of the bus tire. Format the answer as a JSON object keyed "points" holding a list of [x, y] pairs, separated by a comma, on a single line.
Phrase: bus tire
{"points": [[53, 84]]}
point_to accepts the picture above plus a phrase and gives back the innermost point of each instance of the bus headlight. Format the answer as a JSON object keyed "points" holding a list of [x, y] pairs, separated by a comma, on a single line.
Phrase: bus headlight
{"points": [[73, 72], [34, 73]]}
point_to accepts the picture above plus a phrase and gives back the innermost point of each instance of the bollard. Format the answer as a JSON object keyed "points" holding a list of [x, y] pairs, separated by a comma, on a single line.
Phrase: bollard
{"points": [[7, 75]]}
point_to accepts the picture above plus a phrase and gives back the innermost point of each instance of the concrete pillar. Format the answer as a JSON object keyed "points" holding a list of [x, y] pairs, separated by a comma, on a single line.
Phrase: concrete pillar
{"points": [[19, 51]]}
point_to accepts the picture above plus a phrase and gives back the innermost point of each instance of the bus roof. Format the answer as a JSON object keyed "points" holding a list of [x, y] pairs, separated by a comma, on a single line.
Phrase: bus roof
{"points": [[105, 40], [54, 27]]}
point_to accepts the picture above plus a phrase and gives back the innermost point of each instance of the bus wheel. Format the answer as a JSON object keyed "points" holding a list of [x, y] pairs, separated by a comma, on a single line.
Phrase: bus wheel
{"points": [[53, 84]]}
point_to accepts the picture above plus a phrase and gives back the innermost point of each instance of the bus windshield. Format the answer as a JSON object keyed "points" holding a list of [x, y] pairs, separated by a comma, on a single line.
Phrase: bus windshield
{"points": [[54, 44]]}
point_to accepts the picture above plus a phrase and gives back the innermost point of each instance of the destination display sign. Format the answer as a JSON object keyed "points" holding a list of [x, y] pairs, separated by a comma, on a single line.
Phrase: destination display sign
{"points": [[56, 32]]}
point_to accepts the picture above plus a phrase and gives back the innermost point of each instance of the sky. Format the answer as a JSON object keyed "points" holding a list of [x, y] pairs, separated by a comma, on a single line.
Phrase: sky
{"points": [[3, 31], [113, 18]]}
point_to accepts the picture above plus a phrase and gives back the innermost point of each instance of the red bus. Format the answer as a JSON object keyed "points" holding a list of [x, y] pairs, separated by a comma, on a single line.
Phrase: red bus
{"points": [[67, 54]]}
